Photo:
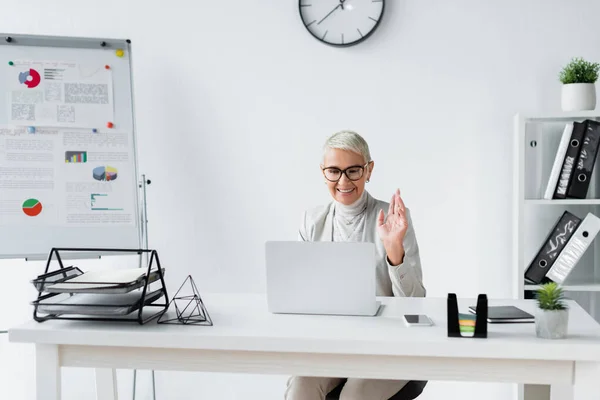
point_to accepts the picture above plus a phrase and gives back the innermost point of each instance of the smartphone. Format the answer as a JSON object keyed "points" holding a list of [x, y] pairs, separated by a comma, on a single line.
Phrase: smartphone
{"points": [[417, 320]]}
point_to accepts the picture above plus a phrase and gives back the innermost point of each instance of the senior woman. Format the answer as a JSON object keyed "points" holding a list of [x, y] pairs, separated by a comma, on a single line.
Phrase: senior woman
{"points": [[354, 215]]}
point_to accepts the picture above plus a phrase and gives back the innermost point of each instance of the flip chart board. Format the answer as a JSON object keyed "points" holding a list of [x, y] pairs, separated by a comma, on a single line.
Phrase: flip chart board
{"points": [[68, 164]]}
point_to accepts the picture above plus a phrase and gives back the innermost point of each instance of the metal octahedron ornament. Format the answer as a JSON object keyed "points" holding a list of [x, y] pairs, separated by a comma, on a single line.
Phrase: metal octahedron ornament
{"points": [[189, 308]]}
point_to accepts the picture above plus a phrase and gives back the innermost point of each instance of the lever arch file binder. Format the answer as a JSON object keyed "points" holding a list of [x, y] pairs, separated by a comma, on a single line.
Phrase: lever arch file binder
{"points": [[568, 162], [556, 173], [553, 245], [574, 249], [558, 165], [584, 166]]}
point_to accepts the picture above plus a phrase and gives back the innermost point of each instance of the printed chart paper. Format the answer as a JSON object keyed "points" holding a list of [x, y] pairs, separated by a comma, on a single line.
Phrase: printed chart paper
{"points": [[59, 94], [66, 177]]}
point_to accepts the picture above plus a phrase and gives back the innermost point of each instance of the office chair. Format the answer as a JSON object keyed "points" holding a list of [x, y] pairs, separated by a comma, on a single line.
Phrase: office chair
{"points": [[410, 391]]}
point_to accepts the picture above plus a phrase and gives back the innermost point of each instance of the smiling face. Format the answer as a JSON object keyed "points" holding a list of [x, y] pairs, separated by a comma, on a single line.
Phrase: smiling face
{"points": [[345, 191]]}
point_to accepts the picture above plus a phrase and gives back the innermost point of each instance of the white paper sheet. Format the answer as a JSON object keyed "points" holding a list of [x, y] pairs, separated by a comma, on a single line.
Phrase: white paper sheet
{"points": [[59, 94], [118, 276], [66, 177], [95, 280], [95, 304]]}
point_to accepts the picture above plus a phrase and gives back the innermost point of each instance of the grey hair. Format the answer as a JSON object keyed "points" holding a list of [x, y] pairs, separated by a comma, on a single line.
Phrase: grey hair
{"points": [[348, 140]]}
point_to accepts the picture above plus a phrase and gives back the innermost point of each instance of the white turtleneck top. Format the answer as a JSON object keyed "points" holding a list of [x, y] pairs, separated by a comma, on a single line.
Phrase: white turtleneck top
{"points": [[358, 222], [349, 220]]}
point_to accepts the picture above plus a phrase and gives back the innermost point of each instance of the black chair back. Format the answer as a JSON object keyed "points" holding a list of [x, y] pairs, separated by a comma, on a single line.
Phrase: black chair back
{"points": [[410, 391]]}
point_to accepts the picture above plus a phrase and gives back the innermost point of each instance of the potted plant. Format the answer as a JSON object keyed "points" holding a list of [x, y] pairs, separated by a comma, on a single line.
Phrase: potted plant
{"points": [[579, 90], [552, 314]]}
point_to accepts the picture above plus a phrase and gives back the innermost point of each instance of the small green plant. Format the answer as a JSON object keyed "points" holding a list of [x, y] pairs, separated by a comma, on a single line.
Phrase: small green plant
{"points": [[550, 296], [579, 71]]}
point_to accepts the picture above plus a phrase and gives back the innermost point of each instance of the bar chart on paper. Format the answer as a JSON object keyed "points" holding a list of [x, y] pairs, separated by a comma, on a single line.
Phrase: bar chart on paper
{"points": [[104, 202], [76, 156]]}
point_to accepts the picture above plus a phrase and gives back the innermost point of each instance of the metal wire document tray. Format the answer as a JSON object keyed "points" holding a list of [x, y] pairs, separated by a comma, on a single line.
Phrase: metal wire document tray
{"points": [[104, 295]]}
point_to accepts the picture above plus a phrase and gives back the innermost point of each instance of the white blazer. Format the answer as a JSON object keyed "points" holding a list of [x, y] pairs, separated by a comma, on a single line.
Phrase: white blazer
{"points": [[405, 279]]}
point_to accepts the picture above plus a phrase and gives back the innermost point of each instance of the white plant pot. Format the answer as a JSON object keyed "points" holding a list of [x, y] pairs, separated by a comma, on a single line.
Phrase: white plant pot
{"points": [[578, 96], [551, 324]]}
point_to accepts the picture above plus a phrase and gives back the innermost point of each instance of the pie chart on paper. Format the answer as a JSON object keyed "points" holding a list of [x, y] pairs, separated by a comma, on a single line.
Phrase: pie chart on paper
{"points": [[32, 207], [105, 173], [30, 78]]}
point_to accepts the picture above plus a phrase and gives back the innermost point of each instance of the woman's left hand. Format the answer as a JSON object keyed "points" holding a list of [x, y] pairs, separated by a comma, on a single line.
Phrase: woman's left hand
{"points": [[393, 229]]}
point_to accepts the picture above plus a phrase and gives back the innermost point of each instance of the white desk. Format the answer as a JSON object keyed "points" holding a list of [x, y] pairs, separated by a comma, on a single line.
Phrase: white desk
{"points": [[245, 338]]}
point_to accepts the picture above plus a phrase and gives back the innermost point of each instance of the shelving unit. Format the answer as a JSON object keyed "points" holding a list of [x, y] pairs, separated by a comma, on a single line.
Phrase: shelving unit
{"points": [[573, 202], [574, 285], [536, 140]]}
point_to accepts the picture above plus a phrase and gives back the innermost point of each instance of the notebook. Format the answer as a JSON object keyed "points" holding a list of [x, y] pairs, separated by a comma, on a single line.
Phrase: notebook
{"points": [[506, 314]]}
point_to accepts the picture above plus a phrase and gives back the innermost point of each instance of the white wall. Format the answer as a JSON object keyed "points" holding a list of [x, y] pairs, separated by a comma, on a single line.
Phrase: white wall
{"points": [[234, 99]]}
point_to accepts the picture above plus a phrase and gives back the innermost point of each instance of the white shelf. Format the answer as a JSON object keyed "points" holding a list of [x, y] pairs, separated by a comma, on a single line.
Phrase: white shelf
{"points": [[533, 215], [561, 116], [565, 202], [593, 286], [536, 138]]}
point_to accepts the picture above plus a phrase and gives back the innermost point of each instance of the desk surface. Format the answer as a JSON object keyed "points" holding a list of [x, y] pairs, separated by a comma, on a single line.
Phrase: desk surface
{"points": [[242, 322]]}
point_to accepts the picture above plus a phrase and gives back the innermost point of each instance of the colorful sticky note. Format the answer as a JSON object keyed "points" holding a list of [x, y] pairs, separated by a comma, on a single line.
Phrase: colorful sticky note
{"points": [[466, 324]]}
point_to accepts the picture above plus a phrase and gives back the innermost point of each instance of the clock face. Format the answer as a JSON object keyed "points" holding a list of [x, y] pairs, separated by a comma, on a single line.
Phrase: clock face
{"points": [[341, 22]]}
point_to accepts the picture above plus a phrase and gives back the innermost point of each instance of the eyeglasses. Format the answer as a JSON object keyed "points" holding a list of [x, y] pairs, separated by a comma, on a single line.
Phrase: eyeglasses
{"points": [[353, 173]]}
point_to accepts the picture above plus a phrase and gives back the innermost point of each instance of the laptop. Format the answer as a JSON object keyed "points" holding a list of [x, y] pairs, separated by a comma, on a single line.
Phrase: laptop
{"points": [[326, 278]]}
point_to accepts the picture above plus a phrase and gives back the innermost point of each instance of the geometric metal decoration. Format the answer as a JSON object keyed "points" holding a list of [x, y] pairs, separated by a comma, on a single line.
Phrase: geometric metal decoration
{"points": [[189, 308]]}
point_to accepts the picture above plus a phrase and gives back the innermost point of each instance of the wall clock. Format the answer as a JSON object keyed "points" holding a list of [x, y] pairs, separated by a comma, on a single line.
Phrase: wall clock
{"points": [[341, 22]]}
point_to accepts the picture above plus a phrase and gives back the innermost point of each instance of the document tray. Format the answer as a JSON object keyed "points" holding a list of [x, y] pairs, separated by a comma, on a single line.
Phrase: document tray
{"points": [[107, 294], [51, 278], [94, 304], [79, 284]]}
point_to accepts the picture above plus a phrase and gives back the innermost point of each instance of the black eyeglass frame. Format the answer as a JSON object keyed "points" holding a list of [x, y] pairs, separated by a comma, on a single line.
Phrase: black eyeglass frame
{"points": [[343, 172]]}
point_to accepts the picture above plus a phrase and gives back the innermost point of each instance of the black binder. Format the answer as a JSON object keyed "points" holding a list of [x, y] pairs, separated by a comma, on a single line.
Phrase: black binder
{"points": [[555, 242], [580, 182], [566, 172]]}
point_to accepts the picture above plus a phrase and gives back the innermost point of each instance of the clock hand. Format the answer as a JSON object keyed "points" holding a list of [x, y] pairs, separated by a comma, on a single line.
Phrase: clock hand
{"points": [[330, 12], [342, 3]]}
